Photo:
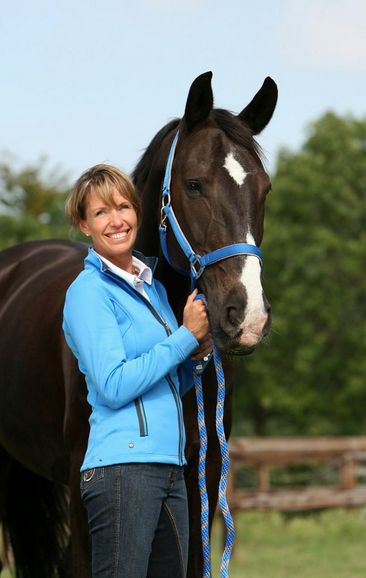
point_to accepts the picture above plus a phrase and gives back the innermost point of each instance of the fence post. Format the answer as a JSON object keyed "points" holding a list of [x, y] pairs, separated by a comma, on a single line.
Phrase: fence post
{"points": [[263, 477], [348, 473]]}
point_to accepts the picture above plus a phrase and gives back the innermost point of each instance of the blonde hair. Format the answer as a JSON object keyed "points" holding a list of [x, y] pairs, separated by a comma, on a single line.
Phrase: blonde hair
{"points": [[104, 180]]}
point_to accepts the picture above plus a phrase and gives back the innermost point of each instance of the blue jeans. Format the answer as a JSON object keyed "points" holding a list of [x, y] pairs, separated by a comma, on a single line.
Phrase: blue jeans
{"points": [[138, 520]]}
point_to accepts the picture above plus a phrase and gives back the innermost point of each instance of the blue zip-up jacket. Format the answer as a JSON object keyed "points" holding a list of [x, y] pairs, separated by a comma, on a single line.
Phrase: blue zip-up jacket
{"points": [[130, 352]]}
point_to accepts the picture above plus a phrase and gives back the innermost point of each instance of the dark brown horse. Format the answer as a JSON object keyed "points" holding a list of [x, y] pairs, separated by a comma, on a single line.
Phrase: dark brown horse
{"points": [[218, 189]]}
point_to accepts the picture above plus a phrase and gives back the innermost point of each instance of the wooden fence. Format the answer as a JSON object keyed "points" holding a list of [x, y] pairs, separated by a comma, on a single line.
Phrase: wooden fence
{"points": [[347, 455]]}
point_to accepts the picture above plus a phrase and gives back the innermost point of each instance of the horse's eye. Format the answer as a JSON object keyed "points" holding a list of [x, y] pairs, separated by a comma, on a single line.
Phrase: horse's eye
{"points": [[194, 188]]}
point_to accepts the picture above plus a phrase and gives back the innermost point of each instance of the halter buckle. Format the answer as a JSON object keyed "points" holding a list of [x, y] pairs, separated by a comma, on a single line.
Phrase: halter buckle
{"points": [[163, 218], [196, 267], [165, 202]]}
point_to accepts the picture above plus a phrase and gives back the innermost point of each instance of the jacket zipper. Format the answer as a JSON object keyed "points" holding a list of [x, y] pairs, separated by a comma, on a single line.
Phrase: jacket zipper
{"points": [[174, 392], [169, 379]]}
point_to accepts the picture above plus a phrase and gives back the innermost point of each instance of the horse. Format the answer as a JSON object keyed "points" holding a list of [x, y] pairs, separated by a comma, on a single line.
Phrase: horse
{"points": [[219, 186]]}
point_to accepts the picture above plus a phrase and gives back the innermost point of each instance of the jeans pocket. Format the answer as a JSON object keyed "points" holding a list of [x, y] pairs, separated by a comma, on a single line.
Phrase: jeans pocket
{"points": [[90, 477]]}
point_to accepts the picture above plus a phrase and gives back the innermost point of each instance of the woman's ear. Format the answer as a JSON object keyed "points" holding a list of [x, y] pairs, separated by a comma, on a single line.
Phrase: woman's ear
{"points": [[84, 228]]}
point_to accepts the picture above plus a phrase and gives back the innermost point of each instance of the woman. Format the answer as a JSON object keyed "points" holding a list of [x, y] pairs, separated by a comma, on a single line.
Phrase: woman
{"points": [[136, 362]]}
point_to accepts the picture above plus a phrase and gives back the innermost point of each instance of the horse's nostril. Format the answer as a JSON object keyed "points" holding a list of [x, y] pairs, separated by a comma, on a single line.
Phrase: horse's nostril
{"points": [[233, 315]]}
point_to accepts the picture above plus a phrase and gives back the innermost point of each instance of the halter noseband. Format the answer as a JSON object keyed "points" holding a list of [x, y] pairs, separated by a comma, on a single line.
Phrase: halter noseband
{"points": [[198, 263]]}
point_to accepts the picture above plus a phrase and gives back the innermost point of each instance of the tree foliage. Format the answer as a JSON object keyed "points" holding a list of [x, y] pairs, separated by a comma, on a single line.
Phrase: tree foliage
{"points": [[310, 377], [31, 203]]}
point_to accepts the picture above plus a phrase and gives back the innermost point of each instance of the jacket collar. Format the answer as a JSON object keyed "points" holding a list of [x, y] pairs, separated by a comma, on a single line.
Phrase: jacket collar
{"points": [[92, 259]]}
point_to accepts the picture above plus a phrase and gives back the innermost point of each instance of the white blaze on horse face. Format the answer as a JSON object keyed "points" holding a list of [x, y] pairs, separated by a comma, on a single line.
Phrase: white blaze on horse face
{"points": [[255, 316], [234, 169]]}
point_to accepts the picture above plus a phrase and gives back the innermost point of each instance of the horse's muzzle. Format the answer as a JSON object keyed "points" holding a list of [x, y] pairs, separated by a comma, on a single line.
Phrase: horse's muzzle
{"points": [[237, 337]]}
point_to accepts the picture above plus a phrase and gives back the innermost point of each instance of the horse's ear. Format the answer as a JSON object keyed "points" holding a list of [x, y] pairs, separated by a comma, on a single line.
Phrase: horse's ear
{"points": [[259, 111], [200, 101]]}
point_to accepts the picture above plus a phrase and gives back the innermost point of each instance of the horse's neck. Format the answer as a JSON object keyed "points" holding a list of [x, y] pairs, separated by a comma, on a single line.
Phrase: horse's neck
{"points": [[177, 287], [148, 235]]}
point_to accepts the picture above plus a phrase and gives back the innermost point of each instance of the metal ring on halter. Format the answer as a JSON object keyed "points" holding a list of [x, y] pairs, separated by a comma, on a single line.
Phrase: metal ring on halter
{"points": [[165, 198]]}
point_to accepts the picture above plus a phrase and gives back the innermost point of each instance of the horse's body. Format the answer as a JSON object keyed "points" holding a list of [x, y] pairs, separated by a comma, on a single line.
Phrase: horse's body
{"points": [[43, 410]]}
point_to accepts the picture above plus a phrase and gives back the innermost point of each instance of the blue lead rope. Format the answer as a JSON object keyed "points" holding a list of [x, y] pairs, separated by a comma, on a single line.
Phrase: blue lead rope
{"points": [[225, 466], [205, 511]]}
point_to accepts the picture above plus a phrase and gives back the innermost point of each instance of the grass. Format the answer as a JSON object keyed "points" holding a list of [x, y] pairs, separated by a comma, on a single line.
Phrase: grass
{"points": [[329, 544]]}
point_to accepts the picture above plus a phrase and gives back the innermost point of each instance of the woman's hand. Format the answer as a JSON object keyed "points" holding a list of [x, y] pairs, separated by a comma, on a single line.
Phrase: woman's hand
{"points": [[195, 317], [205, 347]]}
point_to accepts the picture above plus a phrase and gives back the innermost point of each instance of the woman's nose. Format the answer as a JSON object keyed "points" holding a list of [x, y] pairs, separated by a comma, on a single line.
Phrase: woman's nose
{"points": [[116, 218]]}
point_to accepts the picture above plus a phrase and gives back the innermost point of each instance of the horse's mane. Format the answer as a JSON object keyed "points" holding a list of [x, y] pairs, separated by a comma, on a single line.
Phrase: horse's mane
{"points": [[230, 124], [143, 167]]}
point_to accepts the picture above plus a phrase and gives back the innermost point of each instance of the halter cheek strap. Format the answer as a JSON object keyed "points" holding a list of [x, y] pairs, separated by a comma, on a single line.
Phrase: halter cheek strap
{"points": [[197, 262]]}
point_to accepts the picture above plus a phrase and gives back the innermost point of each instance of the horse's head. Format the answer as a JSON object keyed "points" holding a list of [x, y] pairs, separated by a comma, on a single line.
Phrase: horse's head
{"points": [[219, 188]]}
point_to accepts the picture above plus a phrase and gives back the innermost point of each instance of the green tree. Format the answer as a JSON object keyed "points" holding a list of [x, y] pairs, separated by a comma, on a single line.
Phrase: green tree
{"points": [[31, 203], [310, 377]]}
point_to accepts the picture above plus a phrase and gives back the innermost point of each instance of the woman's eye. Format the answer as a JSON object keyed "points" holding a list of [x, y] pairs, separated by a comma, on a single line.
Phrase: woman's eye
{"points": [[194, 188]]}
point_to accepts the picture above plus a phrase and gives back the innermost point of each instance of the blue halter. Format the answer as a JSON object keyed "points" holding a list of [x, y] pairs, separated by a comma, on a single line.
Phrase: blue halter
{"points": [[198, 263]]}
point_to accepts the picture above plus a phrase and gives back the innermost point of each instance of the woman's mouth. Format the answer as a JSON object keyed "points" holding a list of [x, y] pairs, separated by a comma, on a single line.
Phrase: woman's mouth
{"points": [[118, 236]]}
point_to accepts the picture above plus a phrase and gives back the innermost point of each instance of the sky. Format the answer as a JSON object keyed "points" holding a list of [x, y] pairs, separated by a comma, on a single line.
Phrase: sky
{"points": [[86, 81]]}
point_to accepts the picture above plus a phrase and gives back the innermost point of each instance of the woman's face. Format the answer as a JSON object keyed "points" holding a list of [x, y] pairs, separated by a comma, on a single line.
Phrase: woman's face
{"points": [[113, 228]]}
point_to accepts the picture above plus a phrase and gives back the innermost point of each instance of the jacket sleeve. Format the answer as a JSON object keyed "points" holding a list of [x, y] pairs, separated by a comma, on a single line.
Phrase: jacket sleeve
{"points": [[185, 373], [92, 332]]}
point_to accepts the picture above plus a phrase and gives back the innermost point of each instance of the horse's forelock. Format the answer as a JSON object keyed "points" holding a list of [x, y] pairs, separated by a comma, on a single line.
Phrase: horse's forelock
{"points": [[237, 131]]}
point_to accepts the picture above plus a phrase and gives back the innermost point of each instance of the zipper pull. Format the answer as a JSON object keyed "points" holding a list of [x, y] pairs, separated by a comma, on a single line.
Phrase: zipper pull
{"points": [[167, 328]]}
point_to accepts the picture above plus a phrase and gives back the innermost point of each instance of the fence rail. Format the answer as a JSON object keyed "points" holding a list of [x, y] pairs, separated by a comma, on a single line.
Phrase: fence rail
{"points": [[346, 454]]}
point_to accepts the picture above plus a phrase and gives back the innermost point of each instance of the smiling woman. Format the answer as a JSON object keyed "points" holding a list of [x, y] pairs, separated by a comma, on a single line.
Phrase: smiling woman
{"points": [[136, 362]]}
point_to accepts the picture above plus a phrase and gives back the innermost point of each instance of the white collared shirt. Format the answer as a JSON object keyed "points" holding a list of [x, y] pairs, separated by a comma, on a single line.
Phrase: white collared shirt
{"points": [[136, 281]]}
